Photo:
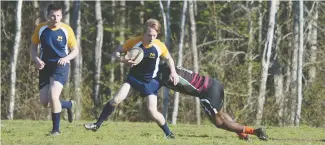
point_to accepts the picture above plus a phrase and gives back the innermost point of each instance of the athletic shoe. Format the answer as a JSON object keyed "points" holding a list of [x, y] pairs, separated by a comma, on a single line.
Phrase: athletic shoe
{"points": [[244, 137], [91, 126], [170, 136], [54, 133], [71, 111], [260, 133]]}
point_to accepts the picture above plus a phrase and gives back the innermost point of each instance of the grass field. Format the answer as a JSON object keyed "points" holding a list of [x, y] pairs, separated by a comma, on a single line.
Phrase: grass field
{"points": [[26, 132]]}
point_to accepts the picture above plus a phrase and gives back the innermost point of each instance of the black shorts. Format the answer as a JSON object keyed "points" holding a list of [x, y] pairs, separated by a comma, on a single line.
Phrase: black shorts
{"points": [[57, 72], [144, 88], [212, 99]]}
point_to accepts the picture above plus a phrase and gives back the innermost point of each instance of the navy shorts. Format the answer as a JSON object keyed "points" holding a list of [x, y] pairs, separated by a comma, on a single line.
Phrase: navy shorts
{"points": [[212, 98], [57, 72], [144, 88]]}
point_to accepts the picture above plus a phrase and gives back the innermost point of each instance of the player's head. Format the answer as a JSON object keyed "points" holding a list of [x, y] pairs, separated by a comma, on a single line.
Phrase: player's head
{"points": [[54, 14], [150, 35], [153, 23]]}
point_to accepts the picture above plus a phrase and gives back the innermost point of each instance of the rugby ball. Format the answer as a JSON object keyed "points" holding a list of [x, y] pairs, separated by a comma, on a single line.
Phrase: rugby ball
{"points": [[135, 54]]}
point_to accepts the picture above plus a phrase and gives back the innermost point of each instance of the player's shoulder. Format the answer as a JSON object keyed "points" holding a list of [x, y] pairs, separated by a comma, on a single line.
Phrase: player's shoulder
{"points": [[159, 43], [135, 38], [64, 25], [41, 25]]}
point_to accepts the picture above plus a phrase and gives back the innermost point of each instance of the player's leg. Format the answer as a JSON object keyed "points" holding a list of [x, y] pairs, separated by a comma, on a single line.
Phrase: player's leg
{"points": [[55, 91], [44, 96], [150, 90], [108, 109], [157, 116]]}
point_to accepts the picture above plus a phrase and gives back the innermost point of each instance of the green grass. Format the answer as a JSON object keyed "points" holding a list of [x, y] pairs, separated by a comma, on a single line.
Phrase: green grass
{"points": [[27, 132]]}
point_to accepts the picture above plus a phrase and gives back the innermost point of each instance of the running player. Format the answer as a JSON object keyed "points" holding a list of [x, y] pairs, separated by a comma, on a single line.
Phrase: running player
{"points": [[55, 38], [142, 76], [211, 94]]}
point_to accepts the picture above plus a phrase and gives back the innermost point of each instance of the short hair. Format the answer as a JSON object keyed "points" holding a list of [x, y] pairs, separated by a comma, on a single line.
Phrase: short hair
{"points": [[53, 7], [153, 23]]}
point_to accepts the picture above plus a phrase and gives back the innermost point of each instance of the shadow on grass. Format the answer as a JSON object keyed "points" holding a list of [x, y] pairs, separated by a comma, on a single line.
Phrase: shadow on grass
{"points": [[201, 136], [297, 139]]}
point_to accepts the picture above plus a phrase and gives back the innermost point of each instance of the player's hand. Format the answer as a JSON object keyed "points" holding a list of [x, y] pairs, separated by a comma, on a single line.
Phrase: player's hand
{"points": [[63, 61], [128, 62], [174, 78], [39, 64]]}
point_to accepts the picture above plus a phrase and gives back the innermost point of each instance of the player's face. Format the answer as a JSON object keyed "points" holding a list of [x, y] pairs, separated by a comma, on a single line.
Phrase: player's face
{"points": [[55, 17], [150, 35]]}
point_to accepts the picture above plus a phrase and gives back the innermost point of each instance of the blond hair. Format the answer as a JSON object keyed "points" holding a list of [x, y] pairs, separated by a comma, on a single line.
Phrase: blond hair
{"points": [[153, 23]]}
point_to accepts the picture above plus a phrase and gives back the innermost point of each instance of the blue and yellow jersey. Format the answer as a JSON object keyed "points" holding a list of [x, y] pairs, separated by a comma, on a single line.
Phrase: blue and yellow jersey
{"points": [[148, 67], [55, 42]]}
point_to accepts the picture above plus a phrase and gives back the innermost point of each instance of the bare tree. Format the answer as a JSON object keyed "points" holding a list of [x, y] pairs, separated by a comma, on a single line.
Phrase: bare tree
{"points": [[13, 62], [300, 62], [195, 57], [66, 12], [312, 26], [266, 62], [122, 33], [166, 19], [179, 59], [77, 73], [112, 71], [294, 63], [249, 58], [98, 53]]}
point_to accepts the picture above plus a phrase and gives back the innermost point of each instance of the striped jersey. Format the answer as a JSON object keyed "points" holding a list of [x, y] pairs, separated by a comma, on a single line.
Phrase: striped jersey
{"points": [[190, 83]]}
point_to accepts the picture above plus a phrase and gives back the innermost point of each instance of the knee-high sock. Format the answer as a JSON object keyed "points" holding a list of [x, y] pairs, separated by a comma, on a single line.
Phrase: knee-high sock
{"points": [[107, 110]]}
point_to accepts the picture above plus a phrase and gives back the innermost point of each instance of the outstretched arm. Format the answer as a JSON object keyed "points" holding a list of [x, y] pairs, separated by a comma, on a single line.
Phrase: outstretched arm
{"points": [[173, 74]]}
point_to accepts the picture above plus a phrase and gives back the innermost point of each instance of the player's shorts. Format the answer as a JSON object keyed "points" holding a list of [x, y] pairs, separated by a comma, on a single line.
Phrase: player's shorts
{"points": [[57, 72], [144, 88], [212, 98]]}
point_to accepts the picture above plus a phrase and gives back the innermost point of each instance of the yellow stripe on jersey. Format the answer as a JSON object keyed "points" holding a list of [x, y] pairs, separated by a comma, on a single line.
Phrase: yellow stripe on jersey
{"points": [[35, 37], [130, 43], [72, 42]]}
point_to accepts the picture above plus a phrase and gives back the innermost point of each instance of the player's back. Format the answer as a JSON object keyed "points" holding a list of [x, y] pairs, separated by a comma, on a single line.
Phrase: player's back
{"points": [[190, 83]]}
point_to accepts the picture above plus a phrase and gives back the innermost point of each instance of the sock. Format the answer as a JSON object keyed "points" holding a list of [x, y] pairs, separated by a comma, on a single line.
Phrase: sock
{"points": [[107, 110], [56, 121], [66, 104], [165, 128], [248, 130]]}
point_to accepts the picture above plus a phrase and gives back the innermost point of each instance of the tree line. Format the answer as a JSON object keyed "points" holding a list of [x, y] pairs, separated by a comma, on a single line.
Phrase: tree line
{"points": [[268, 54]]}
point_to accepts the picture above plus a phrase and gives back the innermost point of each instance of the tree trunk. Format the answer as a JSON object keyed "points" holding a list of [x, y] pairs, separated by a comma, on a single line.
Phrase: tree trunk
{"points": [[112, 71], [195, 57], [179, 60], [266, 62], [313, 44], [300, 62], [43, 10], [98, 53], [122, 37], [166, 19], [294, 67], [77, 73], [13, 62], [249, 58]]}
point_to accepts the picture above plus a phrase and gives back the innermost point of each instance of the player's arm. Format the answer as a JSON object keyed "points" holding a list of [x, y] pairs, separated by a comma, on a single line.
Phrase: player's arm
{"points": [[171, 64], [33, 50], [72, 44]]}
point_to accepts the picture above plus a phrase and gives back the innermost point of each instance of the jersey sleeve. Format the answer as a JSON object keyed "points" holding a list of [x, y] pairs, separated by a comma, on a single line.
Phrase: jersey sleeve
{"points": [[163, 49], [35, 37], [130, 43], [72, 42]]}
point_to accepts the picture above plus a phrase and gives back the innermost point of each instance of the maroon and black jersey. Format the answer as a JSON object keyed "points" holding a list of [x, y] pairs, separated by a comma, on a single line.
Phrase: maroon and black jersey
{"points": [[190, 83]]}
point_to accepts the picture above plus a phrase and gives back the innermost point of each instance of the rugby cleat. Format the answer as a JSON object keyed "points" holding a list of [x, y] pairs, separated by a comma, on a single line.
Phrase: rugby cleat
{"points": [[91, 126], [170, 136], [54, 133], [71, 110], [243, 137], [260, 133]]}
